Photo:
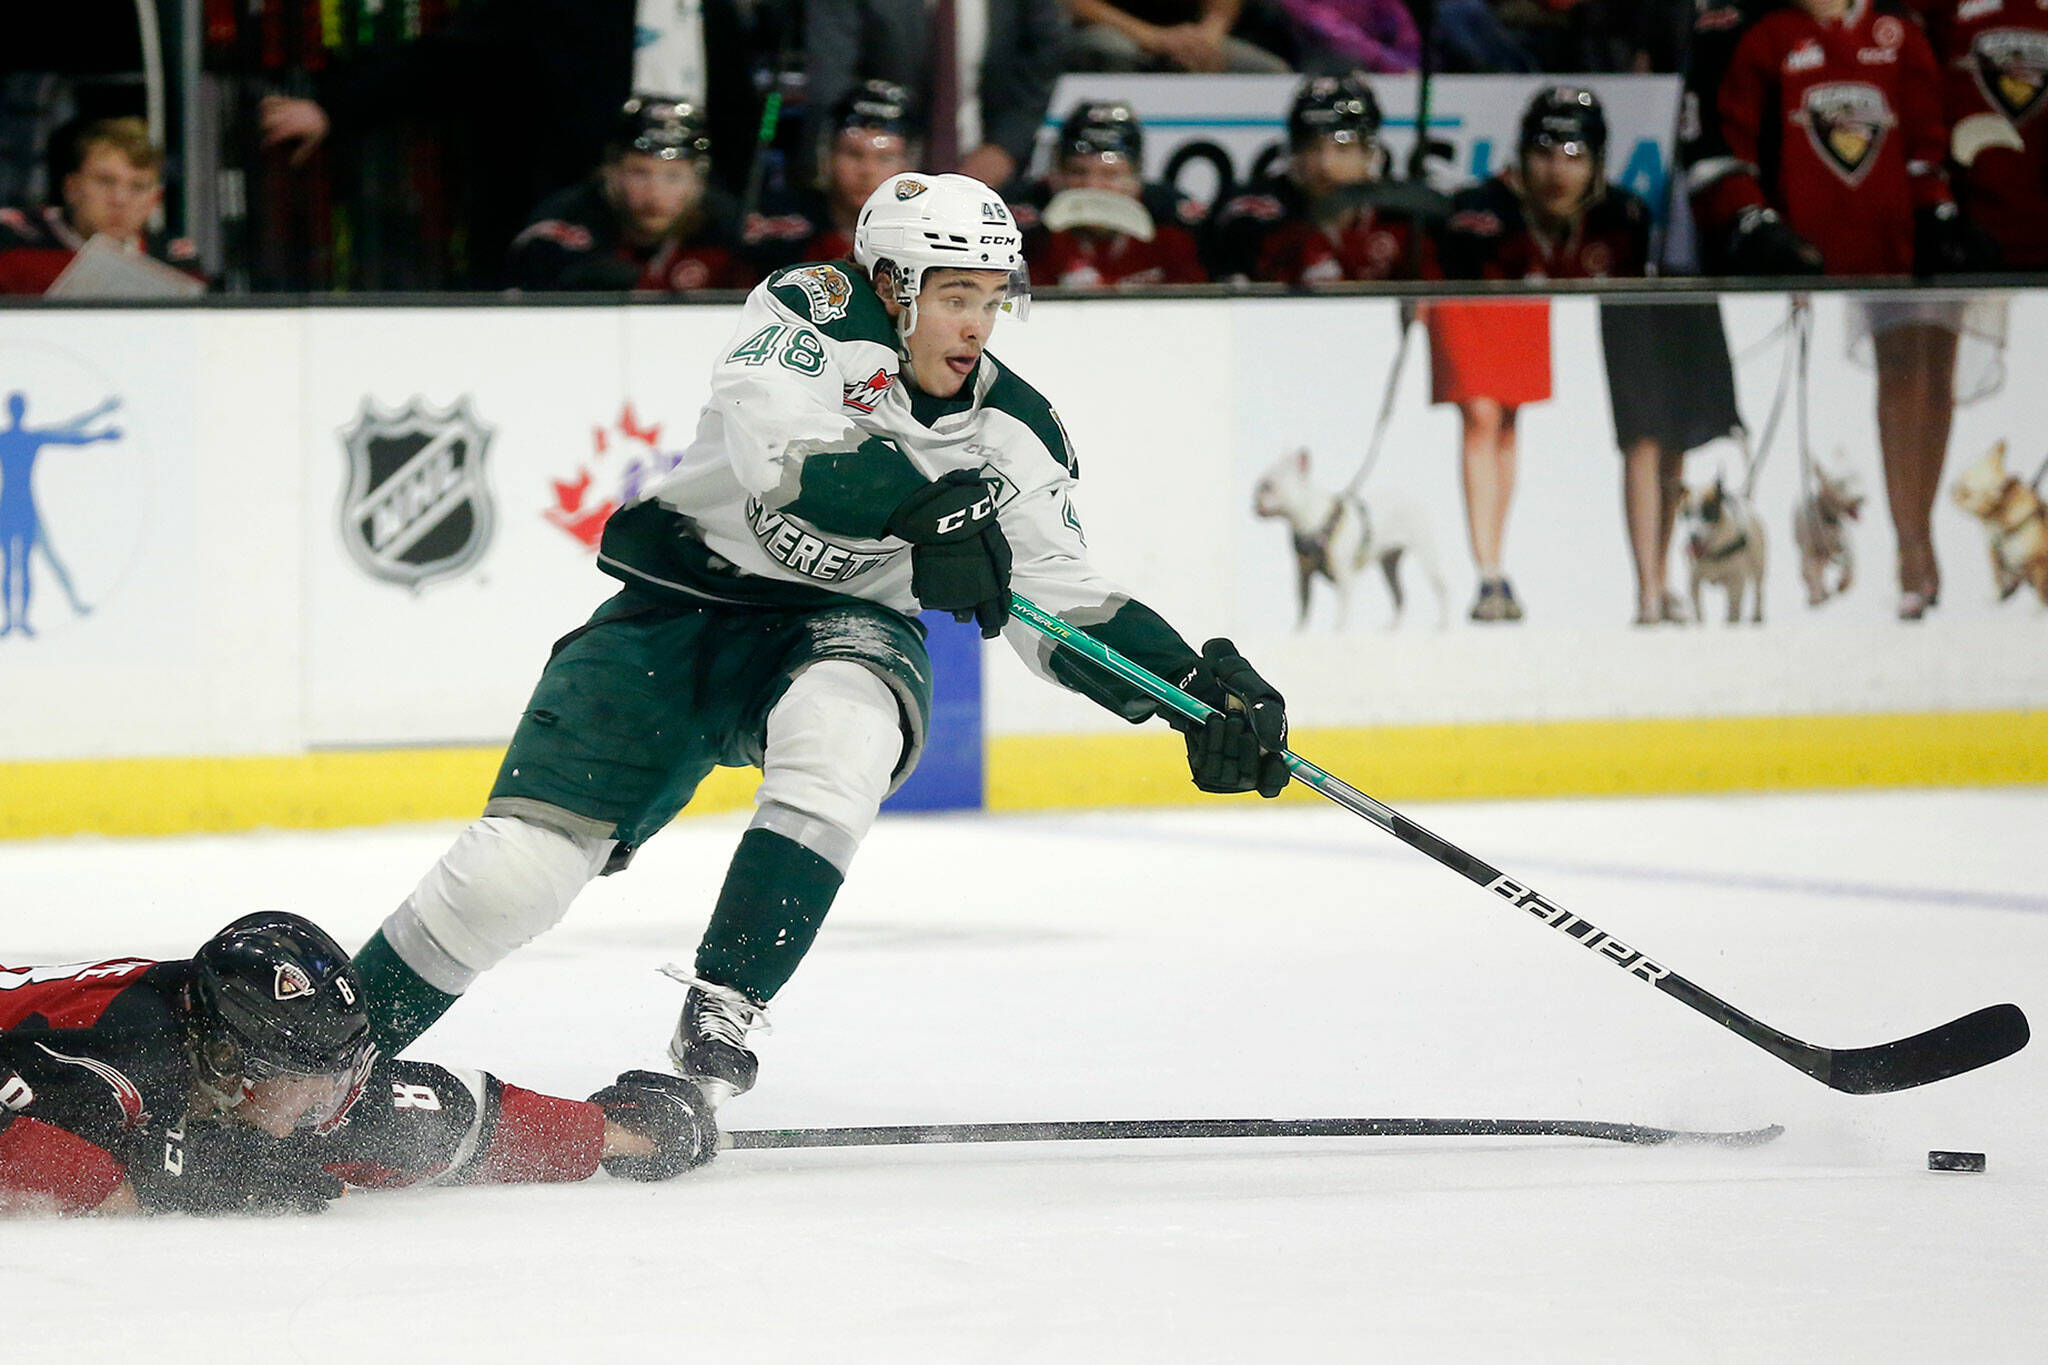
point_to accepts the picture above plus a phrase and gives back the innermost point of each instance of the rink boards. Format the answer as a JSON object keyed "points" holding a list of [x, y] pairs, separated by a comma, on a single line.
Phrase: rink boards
{"points": [[301, 566]]}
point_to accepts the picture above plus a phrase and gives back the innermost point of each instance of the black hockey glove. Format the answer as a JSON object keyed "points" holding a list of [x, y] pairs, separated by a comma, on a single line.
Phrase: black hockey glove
{"points": [[1237, 751], [1763, 245], [1946, 242], [670, 1112], [222, 1166], [959, 557]]}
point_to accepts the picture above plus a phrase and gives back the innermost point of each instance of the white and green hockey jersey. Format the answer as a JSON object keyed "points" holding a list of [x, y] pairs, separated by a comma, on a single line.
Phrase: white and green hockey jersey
{"points": [[813, 436]]}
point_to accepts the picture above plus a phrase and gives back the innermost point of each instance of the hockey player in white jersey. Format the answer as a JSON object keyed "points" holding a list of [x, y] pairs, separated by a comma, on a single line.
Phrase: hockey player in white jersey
{"points": [[861, 456]]}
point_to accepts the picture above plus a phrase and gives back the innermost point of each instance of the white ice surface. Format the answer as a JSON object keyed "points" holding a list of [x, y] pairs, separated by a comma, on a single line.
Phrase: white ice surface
{"points": [[1239, 961]]}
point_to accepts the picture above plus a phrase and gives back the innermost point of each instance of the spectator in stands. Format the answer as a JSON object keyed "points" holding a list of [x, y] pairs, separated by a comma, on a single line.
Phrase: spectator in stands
{"points": [[530, 89], [1336, 36], [1093, 222], [111, 184], [979, 115], [1652, 34], [1994, 69], [867, 140], [1471, 38], [1164, 35], [1815, 144], [1319, 222], [647, 220]]}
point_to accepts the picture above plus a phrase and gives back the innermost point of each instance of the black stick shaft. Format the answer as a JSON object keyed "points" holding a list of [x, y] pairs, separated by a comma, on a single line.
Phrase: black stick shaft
{"points": [[1101, 1130], [1964, 1044]]}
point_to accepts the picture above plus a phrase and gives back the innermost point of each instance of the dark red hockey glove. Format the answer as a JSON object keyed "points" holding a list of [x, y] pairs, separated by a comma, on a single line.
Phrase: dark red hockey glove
{"points": [[1946, 242], [1762, 244]]}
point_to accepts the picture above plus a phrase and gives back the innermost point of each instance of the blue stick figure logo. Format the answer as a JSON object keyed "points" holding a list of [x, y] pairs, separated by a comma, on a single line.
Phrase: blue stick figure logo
{"points": [[22, 531]]}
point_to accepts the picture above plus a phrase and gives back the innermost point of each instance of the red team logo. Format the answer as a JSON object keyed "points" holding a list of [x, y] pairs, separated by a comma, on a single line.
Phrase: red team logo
{"points": [[863, 396], [2011, 67], [1848, 121]]}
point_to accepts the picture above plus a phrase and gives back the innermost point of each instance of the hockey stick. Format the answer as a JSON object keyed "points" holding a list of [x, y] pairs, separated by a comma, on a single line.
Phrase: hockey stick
{"points": [[1100, 1130], [1977, 1039]]}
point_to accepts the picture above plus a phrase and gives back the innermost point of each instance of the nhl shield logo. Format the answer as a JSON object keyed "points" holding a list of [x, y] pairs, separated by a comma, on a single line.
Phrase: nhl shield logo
{"points": [[2011, 66], [1847, 121], [417, 507]]}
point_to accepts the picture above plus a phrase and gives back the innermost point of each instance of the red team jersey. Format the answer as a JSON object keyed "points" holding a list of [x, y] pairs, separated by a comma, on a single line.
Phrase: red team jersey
{"points": [[1994, 61], [1268, 235], [37, 244], [1836, 125], [1083, 258], [1489, 237]]}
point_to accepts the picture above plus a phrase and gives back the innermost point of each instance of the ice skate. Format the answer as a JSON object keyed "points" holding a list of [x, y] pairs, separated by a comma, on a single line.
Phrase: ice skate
{"points": [[710, 1042]]}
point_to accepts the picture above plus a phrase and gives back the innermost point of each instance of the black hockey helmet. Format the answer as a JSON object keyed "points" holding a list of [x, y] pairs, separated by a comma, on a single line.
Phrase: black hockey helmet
{"points": [[1338, 107], [1103, 128], [661, 126], [272, 995], [1567, 116], [873, 106]]}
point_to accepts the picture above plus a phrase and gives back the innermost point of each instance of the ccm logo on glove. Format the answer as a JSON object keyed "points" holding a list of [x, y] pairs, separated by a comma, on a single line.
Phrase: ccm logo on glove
{"points": [[954, 521]]}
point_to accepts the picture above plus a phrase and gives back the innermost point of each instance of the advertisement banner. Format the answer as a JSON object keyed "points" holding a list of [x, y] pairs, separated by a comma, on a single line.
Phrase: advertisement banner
{"points": [[456, 467], [1242, 120]]}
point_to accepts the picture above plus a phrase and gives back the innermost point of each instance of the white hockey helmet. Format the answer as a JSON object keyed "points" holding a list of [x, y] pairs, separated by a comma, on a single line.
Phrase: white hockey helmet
{"points": [[916, 222]]}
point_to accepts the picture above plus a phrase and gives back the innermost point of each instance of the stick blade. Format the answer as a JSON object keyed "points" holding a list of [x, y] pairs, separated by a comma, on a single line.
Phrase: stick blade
{"points": [[1960, 1045]]}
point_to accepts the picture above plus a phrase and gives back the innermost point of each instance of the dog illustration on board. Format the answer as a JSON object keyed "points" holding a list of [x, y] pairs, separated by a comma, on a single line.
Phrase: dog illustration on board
{"points": [[1336, 535], [1820, 529], [1725, 547], [2015, 522]]}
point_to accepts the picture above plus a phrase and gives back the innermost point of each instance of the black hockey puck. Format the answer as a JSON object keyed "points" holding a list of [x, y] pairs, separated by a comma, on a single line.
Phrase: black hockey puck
{"points": [[1955, 1161]]}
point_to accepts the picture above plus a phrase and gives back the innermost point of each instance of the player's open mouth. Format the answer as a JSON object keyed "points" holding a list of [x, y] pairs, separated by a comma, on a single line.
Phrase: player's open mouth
{"points": [[962, 365]]}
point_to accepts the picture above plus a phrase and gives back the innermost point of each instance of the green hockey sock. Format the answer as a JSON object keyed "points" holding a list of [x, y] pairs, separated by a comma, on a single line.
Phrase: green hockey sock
{"points": [[775, 896], [401, 1005]]}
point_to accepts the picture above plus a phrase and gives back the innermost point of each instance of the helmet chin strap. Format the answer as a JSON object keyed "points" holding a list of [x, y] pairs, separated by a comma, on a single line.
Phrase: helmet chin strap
{"points": [[906, 305]]}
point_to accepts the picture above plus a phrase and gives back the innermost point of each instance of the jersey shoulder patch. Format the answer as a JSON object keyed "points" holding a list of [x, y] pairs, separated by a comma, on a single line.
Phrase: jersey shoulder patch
{"points": [[835, 299], [1012, 395]]}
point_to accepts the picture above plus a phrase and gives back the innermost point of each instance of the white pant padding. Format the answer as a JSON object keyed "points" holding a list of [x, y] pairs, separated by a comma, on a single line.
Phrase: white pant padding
{"points": [[833, 742], [503, 882]]}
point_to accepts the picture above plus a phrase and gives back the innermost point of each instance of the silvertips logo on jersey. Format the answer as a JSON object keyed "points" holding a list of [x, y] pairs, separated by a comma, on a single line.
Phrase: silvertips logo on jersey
{"points": [[825, 289], [417, 507]]}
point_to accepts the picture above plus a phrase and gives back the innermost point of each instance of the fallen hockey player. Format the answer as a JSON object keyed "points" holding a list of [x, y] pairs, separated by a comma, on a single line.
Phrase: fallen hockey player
{"points": [[244, 1080]]}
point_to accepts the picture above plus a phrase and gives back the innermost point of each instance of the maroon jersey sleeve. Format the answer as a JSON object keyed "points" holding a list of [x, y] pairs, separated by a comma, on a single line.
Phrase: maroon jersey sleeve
{"points": [[1921, 122], [44, 1168], [1746, 96], [419, 1123]]}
